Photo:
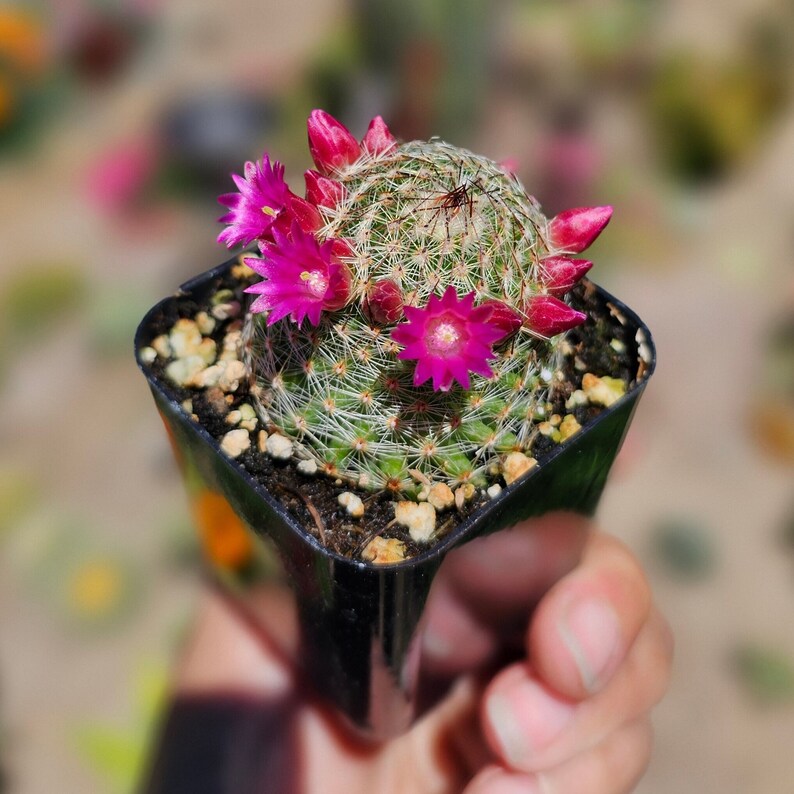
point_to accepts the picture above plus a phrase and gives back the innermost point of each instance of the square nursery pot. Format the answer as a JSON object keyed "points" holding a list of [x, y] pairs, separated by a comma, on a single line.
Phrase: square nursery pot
{"points": [[356, 626]]}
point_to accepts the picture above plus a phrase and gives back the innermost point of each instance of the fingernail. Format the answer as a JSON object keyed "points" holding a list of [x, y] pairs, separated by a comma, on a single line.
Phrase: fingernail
{"points": [[526, 719], [591, 632]]}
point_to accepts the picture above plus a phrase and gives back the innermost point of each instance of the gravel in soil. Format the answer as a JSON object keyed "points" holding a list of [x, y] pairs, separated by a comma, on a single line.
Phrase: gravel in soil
{"points": [[604, 345]]}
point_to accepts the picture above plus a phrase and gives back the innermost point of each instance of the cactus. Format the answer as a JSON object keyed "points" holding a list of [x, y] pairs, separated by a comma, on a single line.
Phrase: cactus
{"points": [[409, 322]]}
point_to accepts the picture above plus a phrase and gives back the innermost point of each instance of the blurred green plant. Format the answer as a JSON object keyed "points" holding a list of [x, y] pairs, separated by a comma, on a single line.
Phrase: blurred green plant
{"points": [[18, 494], [37, 297], [766, 673], [117, 753], [708, 116], [684, 548]]}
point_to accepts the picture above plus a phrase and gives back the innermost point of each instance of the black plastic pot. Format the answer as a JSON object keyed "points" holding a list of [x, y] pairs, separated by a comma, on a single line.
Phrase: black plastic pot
{"points": [[358, 625]]}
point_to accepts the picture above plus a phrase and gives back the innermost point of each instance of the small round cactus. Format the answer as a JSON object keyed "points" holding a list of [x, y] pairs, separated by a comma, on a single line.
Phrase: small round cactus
{"points": [[409, 319]]}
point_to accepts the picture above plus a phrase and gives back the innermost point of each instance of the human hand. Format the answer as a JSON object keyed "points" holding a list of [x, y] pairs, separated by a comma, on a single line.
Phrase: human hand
{"points": [[557, 650]]}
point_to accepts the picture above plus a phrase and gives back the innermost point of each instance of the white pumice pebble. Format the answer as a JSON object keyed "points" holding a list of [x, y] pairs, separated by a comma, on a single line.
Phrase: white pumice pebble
{"points": [[278, 446], [235, 442], [382, 551], [147, 355], [261, 441], [182, 371], [205, 323], [515, 465], [569, 427], [494, 490], [602, 391], [162, 346], [441, 496], [232, 374], [418, 517], [185, 338], [307, 467], [353, 505], [577, 399]]}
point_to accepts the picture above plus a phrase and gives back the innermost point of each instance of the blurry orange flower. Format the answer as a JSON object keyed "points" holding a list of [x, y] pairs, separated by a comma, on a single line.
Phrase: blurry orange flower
{"points": [[22, 40], [223, 536]]}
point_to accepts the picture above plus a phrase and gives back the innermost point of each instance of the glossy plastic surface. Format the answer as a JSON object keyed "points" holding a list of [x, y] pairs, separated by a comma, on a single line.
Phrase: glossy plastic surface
{"points": [[357, 627]]}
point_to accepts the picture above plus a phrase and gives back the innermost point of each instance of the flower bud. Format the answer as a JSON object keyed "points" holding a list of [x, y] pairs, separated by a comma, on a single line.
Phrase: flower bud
{"points": [[559, 273], [339, 291], [378, 138], [574, 230], [549, 316], [383, 303], [331, 144], [322, 191], [306, 214], [503, 318]]}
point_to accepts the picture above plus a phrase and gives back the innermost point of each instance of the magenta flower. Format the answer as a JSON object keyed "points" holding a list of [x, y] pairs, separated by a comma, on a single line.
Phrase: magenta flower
{"points": [[448, 338], [331, 144], [549, 316], [574, 230], [262, 195], [302, 277]]}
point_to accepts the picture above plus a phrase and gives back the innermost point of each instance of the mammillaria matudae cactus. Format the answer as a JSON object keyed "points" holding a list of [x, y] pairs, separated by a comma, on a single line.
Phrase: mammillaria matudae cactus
{"points": [[410, 313]]}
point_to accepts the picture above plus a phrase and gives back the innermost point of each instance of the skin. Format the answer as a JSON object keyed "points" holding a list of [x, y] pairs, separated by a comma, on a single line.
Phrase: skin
{"points": [[557, 655]]}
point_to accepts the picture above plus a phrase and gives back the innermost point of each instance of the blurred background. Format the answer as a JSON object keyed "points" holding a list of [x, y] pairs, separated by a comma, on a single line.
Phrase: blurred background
{"points": [[120, 121]]}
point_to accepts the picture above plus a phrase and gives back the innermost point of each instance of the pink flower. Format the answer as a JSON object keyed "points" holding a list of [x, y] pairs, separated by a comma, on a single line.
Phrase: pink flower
{"points": [[263, 194], [574, 230], [549, 316], [559, 273], [322, 191], [378, 139], [302, 277], [448, 338], [331, 144]]}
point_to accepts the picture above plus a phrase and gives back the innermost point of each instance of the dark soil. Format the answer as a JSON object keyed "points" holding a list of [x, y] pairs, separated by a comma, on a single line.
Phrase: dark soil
{"points": [[329, 522]]}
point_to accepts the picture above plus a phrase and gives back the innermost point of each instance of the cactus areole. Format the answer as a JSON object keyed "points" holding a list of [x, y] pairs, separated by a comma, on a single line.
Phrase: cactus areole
{"points": [[409, 319]]}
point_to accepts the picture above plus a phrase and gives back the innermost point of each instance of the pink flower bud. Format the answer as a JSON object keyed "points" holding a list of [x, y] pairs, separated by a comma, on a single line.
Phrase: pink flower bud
{"points": [[559, 273], [378, 138], [307, 215], [503, 318], [342, 248], [331, 144], [383, 303], [339, 293], [509, 164], [574, 230], [322, 191], [549, 316]]}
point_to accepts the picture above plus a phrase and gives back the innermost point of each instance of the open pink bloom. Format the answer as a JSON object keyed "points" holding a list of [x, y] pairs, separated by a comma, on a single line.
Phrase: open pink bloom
{"points": [[331, 144], [549, 316], [378, 139], [263, 194], [448, 338], [560, 273], [574, 230], [302, 277]]}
